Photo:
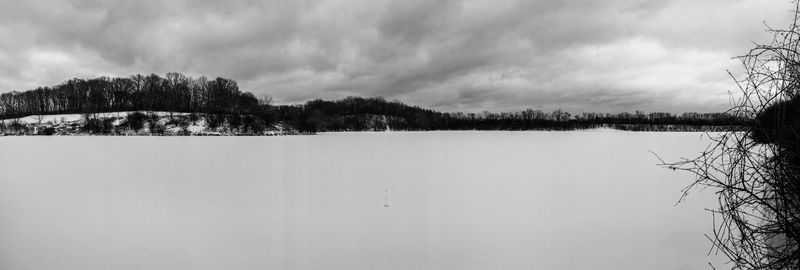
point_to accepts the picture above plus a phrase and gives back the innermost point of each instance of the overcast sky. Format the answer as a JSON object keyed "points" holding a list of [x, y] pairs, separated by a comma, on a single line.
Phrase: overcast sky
{"points": [[580, 55]]}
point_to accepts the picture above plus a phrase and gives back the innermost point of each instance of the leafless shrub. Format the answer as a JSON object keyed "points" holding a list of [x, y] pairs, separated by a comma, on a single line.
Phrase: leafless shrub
{"points": [[755, 172]]}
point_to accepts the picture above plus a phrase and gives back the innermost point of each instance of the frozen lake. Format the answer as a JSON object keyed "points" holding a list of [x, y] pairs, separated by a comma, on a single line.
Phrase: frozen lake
{"points": [[457, 200]]}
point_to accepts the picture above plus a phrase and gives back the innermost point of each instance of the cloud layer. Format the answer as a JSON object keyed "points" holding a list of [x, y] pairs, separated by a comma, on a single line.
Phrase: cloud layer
{"points": [[582, 55]]}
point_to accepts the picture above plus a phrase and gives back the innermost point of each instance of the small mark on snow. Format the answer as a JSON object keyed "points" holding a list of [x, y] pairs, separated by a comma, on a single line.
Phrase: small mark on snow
{"points": [[386, 202]]}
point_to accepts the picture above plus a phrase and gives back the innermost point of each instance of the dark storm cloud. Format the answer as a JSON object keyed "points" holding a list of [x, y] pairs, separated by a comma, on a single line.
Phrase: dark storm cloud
{"points": [[452, 55]]}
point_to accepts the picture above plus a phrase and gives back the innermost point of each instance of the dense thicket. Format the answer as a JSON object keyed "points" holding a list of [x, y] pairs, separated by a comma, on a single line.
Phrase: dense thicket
{"points": [[355, 113], [175, 92]]}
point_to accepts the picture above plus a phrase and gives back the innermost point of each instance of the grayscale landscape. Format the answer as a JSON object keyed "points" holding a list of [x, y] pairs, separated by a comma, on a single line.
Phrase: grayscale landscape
{"points": [[457, 200], [400, 135]]}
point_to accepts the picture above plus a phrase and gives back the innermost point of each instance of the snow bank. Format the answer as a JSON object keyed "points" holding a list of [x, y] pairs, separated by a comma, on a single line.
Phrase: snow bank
{"points": [[63, 118]]}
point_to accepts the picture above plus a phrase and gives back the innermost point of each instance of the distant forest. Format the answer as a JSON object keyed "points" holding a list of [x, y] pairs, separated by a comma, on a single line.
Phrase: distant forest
{"points": [[178, 93], [175, 92]]}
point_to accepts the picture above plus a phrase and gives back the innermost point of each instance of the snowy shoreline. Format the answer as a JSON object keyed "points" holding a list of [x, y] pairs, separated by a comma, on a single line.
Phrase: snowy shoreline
{"points": [[154, 123], [160, 123]]}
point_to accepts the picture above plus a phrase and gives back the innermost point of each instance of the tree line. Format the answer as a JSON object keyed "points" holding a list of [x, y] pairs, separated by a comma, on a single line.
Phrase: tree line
{"points": [[175, 92], [179, 93], [357, 113]]}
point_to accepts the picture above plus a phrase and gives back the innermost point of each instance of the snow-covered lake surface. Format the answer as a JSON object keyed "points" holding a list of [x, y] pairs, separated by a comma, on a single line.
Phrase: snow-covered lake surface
{"points": [[456, 200]]}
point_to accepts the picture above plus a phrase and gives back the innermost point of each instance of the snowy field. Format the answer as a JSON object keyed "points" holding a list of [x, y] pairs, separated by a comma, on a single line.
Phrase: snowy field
{"points": [[428, 200]]}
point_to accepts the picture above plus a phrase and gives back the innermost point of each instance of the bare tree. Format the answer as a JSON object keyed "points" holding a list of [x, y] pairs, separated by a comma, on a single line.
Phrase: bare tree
{"points": [[756, 172], [39, 118]]}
